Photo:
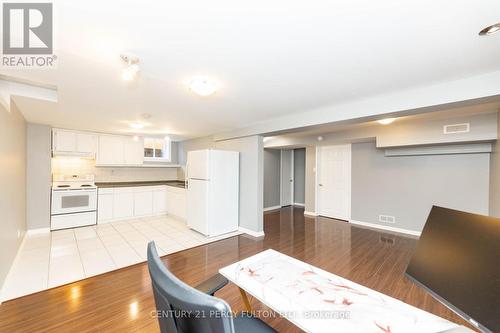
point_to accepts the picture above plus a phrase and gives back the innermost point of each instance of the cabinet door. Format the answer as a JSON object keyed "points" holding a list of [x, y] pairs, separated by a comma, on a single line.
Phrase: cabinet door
{"points": [[159, 201], [182, 205], [86, 143], [105, 207], [134, 150], [110, 150], [123, 203], [64, 141], [143, 202]]}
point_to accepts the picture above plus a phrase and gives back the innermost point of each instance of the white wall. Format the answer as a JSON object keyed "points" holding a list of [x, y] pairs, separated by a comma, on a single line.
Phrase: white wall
{"points": [[407, 187], [272, 174], [38, 176], [12, 185], [310, 180]]}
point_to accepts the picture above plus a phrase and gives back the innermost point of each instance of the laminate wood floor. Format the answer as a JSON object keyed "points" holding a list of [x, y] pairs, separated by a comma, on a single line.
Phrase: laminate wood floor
{"points": [[122, 301]]}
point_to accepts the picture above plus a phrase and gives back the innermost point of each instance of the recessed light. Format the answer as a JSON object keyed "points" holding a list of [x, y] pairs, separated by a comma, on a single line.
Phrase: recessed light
{"points": [[490, 30], [320, 138], [202, 86], [137, 125], [386, 121]]}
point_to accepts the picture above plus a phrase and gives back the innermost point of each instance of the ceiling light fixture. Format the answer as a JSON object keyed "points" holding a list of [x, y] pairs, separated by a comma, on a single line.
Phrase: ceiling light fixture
{"points": [[202, 86], [137, 125], [132, 68], [386, 121], [490, 30], [320, 138]]}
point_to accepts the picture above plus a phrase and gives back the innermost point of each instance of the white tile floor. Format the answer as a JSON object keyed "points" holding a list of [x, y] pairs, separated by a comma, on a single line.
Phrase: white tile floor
{"points": [[60, 257]]}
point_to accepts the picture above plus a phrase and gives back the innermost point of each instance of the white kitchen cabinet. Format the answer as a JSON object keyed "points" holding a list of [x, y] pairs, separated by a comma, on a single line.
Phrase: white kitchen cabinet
{"points": [[143, 201], [123, 203], [134, 150], [111, 150], [176, 201], [66, 142], [86, 143], [120, 203], [118, 150], [160, 200], [105, 205]]}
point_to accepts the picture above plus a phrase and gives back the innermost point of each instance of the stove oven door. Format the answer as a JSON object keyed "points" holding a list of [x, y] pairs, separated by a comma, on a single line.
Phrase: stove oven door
{"points": [[73, 201]]}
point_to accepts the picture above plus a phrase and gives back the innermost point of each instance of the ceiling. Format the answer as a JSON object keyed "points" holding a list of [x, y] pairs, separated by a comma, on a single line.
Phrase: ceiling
{"points": [[269, 59]]}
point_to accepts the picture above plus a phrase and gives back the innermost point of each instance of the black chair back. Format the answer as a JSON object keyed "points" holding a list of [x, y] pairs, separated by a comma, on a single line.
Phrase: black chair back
{"points": [[183, 309]]}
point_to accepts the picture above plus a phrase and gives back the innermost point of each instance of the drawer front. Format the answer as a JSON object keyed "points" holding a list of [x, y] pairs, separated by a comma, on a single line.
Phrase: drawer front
{"points": [[72, 220]]}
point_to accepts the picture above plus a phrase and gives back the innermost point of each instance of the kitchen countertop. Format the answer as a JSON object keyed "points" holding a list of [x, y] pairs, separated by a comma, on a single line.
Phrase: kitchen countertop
{"points": [[174, 183]]}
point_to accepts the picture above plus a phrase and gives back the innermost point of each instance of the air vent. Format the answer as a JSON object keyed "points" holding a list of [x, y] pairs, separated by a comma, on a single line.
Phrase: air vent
{"points": [[456, 128], [386, 219]]}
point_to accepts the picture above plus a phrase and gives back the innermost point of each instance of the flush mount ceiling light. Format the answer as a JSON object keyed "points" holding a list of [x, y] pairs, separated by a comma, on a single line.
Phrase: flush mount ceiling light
{"points": [[132, 66], [386, 121], [202, 86], [137, 125], [490, 30]]}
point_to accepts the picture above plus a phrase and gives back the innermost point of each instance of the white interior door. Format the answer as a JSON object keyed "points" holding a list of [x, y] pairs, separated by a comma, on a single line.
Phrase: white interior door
{"points": [[286, 177], [334, 181]]}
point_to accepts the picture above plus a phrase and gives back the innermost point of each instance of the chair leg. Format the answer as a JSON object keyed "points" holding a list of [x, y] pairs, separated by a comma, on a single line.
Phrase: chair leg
{"points": [[245, 300]]}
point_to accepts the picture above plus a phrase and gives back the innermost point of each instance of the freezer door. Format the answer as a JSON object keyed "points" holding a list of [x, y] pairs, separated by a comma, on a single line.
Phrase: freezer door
{"points": [[198, 164], [197, 205]]}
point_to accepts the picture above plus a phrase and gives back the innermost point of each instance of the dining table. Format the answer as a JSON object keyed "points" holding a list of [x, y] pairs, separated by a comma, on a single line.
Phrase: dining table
{"points": [[318, 301]]}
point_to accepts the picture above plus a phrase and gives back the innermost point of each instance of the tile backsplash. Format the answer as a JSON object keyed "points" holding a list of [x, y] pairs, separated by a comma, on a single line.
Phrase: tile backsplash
{"points": [[76, 165]]}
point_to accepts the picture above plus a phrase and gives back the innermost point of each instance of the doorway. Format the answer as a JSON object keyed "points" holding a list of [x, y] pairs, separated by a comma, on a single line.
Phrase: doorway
{"points": [[286, 177], [333, 181]]}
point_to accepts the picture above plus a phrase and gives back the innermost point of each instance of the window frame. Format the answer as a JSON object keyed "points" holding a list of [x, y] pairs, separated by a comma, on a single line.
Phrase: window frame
{"points": [[167, 150]]}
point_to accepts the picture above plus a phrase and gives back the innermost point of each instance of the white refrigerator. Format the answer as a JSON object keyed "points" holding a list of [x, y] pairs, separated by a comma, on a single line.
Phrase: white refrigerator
{"points": [[213, 191]]}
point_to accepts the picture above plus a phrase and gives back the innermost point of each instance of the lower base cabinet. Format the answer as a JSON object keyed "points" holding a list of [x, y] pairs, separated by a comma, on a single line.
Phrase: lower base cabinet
{"points": [[176, 202], [123, 203]]}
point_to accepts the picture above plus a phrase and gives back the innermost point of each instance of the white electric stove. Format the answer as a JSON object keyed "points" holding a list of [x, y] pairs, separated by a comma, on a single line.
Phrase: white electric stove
{"points": [[73, 201]]}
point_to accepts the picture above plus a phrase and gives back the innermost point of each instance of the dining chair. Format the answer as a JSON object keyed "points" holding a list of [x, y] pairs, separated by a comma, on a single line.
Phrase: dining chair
{"points": [[184, 309]]}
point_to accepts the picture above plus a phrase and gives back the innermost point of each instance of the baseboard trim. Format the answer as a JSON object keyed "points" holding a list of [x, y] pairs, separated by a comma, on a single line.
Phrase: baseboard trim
{"points": [[310, 213], [299, 204], [266, 209], [251, 232], [387, 228], [37, 231]]}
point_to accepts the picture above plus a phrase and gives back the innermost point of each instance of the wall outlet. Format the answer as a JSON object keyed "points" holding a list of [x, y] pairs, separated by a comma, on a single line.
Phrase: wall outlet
{"points": [[386, 219]]}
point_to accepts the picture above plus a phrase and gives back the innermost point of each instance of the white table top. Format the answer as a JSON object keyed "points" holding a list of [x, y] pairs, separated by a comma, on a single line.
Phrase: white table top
{"points": [[301, 292]]}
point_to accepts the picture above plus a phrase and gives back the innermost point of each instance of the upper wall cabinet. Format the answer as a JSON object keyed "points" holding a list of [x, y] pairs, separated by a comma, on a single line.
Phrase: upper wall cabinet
{"points": [[117, 150], [73, 143]]}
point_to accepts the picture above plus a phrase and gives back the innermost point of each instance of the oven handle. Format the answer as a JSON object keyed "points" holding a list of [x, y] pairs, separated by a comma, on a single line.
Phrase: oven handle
{"points": [[74, 189]]}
